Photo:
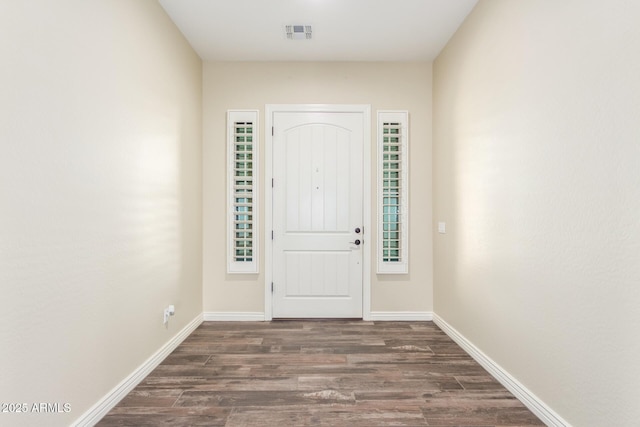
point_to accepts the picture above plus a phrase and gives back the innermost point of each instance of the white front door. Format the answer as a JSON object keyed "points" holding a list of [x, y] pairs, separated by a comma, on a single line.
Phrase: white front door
{"points": [[317, 214]]}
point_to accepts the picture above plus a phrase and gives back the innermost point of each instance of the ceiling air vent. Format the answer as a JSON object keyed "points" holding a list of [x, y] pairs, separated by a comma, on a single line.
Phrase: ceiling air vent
{"points": [[298, 32]]}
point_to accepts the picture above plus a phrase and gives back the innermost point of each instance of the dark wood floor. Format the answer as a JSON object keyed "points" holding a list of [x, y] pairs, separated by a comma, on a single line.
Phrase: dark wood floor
{"points": [[319, 373]]}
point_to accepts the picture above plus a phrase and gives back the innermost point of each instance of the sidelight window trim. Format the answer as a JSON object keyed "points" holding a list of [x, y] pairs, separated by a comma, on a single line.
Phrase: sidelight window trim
{"points": [[242, 180], [393, 192]]}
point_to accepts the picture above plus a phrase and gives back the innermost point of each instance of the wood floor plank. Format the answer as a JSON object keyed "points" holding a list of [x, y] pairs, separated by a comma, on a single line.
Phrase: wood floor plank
{"points": [[319, 373]]}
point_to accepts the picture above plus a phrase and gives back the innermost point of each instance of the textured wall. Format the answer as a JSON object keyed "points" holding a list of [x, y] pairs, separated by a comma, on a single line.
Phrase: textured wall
{"points": [[536, 154], [100, 197], [252, 85]]}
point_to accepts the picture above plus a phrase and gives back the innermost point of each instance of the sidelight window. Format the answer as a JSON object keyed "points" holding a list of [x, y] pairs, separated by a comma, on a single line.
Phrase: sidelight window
{"points": [[242, 203], [393, 201]]}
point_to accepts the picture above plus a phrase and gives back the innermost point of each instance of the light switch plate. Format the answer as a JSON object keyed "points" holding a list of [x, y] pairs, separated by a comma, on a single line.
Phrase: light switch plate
{"points": [[442, 227]]}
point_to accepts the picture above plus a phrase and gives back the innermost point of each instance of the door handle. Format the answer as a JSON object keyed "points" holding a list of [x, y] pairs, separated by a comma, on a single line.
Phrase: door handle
{"points": [[357, 242]]}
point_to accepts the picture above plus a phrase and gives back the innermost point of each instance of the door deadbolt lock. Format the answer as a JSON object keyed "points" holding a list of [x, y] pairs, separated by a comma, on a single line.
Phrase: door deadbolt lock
{"points": [[357, 230]]}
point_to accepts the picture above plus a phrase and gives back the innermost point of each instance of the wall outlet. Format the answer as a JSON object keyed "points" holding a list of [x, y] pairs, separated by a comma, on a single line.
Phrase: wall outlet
{"points": [[168, 312]]}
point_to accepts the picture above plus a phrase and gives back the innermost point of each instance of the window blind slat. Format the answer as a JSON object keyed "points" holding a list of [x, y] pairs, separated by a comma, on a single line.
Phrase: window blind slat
{"points": [[243, 165], [392, 149]]}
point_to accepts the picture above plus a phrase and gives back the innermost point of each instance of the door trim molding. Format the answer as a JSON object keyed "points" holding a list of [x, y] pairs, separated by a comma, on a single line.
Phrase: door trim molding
{"points": [[365, 110]]}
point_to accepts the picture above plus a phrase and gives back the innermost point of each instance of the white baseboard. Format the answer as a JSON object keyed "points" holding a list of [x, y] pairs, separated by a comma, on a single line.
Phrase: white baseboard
{"points": [[403, 316], [212, 316], [104, 405], [260, 317], [530, 400]]}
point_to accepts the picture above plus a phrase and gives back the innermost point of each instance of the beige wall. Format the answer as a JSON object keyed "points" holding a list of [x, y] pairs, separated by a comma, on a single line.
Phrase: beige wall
{"points": [[251, 86], [100, 196], [536, 172]]}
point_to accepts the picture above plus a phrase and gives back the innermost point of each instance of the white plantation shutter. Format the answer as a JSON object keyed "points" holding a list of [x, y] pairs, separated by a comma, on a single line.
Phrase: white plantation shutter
{"points": [[393, 185], [242, 195]]}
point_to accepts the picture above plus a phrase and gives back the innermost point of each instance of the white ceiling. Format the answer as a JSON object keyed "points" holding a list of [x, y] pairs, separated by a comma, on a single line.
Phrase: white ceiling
{"points": [[343, 30]]}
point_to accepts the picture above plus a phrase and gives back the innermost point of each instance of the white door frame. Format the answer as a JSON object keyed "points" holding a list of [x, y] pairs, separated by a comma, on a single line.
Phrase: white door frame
{"points": [[270, 109]]}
